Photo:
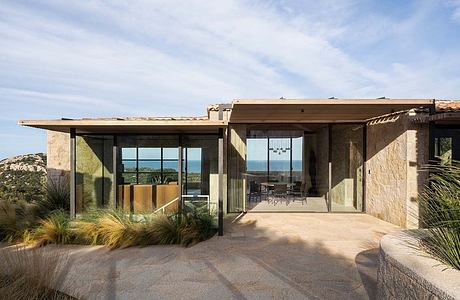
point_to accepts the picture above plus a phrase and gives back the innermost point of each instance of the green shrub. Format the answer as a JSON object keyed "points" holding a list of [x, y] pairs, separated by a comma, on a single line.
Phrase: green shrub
{"points": [[195, 225], [440, 207]]}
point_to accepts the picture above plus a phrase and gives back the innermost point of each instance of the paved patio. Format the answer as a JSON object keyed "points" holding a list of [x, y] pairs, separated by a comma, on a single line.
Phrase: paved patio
{"points": [[262, 256]]}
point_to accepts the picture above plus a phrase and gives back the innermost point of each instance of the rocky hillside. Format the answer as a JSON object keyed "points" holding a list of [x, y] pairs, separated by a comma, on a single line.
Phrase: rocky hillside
{"points": [[23, 177]]}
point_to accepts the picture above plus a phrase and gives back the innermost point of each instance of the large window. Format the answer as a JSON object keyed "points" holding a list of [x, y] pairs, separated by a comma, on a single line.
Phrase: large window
{"points": [[305, 167], [279, 159], [193, 173], [143, 165], [274, 159]]}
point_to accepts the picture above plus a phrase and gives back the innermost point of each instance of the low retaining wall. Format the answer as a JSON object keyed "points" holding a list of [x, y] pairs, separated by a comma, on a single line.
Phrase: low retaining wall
{"points": [[406, 272]]}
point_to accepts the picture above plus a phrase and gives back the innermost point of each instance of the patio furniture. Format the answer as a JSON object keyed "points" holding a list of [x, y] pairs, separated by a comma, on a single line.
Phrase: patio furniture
{"points": [[255, 191], [298, 189], [280, 190]]}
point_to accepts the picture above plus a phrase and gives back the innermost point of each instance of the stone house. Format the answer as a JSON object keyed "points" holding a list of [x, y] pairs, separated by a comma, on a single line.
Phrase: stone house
{"points": [[316, 155]]}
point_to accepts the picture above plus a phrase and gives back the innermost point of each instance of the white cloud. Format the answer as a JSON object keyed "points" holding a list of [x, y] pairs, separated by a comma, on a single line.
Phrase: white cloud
{"points": [[455, 6], [103, 58]]}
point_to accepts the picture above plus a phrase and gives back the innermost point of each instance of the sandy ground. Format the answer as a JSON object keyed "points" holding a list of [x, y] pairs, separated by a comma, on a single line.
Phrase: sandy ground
{"points": [[261, 256]]}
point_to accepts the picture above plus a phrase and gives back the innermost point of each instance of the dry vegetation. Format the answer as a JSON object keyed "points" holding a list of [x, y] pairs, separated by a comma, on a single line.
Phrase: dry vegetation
{"points": [[32, 274]]}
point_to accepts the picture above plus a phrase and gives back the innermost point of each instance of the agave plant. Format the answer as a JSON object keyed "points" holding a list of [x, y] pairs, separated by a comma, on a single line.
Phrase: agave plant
{"points": [[440, 207]]}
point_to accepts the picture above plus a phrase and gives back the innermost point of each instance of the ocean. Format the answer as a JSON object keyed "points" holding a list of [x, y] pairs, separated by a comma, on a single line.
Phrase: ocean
{"points": [[275, 165], [194, 166]]}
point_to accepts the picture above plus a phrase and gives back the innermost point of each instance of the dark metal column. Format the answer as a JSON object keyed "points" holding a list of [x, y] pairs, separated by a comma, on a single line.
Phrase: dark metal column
{"points": [[431, 136], [290, 160], [364, 166], [115, 171], [329, 199], [179, 175], [220, 219], [72, 172]]}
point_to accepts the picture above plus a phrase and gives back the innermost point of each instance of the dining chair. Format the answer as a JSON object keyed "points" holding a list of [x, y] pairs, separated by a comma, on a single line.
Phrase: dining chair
{"points": [[280, 190], [254, 191]]}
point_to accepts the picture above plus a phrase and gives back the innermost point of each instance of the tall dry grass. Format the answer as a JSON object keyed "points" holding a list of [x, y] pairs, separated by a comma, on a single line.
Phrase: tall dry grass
{"points": [[16, 219], [32, 274], [55, 229]]}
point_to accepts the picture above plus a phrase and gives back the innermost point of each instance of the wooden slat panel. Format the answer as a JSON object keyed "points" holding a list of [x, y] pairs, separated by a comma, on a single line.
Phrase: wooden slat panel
{"points": [[124, 196], [165, 193], [143, 197]]}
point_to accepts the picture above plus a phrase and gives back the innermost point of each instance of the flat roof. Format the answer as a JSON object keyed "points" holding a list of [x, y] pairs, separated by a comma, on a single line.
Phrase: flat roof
{"points": [[129, 125], [252, 111], [318, 110]]}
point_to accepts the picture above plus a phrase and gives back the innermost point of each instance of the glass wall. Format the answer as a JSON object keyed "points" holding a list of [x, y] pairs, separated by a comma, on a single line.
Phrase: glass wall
{"points": [[200, 171], [297, 167], [257, 159], [279, 159], [236, 153], [94, 172], [287, 167], [347, 164], [149, 172], [149, 165]]}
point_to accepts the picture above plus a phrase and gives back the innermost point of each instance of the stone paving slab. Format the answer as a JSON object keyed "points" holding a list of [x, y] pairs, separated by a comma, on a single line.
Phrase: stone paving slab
{"points": [[262, 256]]}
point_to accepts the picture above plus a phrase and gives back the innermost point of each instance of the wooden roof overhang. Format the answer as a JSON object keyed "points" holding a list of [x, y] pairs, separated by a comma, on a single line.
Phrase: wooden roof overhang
{"points": [[319, 110], [128, 126]]}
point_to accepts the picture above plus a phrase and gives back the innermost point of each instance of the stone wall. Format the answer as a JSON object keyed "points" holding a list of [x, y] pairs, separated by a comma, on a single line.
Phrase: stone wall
{"points": [[406, 272], [58, 155], [396, 150]]}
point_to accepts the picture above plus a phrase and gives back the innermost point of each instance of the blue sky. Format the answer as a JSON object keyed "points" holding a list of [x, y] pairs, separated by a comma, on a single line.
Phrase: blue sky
{"points": [[162, 58]]}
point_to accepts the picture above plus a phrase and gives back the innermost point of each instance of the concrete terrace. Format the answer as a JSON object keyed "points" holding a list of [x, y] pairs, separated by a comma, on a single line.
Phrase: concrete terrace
{"points": [[261, 256]]}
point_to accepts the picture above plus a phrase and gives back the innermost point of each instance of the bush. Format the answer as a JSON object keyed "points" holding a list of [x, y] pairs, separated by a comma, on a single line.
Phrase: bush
{"points": [[112, 228], [440, 206], [16, 219], [160, 229], [115, 229], [32, 274], [57, 195], [55, 229]]}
